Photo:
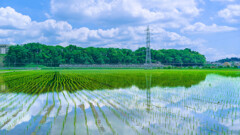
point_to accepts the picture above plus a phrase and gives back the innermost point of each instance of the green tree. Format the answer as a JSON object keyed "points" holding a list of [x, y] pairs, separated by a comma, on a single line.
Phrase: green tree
{"points": [[36, 53]]}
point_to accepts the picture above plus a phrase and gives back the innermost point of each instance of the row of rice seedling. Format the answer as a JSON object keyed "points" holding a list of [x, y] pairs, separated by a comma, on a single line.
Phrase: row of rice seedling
{"points": [[41, 88], [72, 125], [106, 119], [97, 120], [100, 124], [66, 100], [17, 87], [64, 121], [119, 105], [200, 109], [33, 121], [112, 80], [49, 109], [15, 109], [57, 112], [44, 118], [27, 89], [136, 119], [118, 112], [19, 108], [17, 97], [21, 112], [88, 116], [130, 98], [82, 107]]}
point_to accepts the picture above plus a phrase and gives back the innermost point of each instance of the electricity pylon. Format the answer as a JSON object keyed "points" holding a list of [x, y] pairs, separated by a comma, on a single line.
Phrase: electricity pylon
{"points": [[148, 47]]}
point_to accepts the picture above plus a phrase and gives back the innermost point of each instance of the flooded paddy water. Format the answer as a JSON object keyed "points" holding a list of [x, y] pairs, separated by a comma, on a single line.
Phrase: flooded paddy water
{"points": [[120, 102]]}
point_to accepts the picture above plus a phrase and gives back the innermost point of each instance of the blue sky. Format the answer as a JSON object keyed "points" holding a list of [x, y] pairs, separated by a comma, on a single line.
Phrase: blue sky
{"points": [[211, 27]]}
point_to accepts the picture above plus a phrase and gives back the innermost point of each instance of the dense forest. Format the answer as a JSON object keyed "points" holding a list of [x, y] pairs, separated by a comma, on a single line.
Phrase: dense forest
{"points": [[36, 53], [229, 60]]}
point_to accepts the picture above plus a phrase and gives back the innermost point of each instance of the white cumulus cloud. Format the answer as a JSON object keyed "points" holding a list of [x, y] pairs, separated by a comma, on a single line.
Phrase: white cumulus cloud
{"points": [[231, 13], [18, 28], [202, 28], [51, 31], [10, 18], [110, 12]]}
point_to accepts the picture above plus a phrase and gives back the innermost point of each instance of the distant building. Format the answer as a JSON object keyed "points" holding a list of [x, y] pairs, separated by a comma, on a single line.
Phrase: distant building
{"points": [[227, 64], [217, 64], [4, 48], [237, 64]]}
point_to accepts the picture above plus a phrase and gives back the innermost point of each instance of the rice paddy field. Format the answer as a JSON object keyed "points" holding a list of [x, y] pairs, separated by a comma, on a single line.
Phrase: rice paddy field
{"points": [[91, 102]]}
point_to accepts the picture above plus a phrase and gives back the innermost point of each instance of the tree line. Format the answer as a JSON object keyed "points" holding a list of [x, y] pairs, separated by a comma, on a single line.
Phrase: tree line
{"points": [[40, 54], [234, 59]]}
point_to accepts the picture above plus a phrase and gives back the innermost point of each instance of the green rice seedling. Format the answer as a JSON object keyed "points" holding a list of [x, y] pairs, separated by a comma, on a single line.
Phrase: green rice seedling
{"points": [[183, 90], [75, 111], [65, 119], [97, 120], [82, 106], [43, 120], [40, 110], [75, 118], [121, 112], [106, 119], [27, 110]]}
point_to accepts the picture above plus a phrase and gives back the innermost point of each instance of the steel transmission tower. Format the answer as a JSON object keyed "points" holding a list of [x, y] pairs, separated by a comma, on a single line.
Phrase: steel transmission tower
{"points": [[148, 47]]}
